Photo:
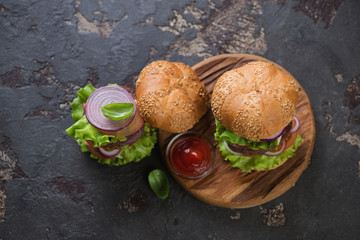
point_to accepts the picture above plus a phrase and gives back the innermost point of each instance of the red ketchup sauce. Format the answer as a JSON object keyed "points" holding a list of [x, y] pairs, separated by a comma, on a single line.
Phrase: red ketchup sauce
{"points": [[190, 156]]}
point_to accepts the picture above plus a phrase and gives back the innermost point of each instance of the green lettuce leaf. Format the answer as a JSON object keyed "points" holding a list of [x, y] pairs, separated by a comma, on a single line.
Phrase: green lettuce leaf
{"points": [[223, 134], [259, 162], [82, 130], [77, 104]]}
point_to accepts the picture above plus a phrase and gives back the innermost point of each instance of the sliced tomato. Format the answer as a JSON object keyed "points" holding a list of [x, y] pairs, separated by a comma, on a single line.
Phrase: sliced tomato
{"points": [[279, 147], [94, 150], [134, 126], [84, 108], [110, 148], [290, 140], [248, 155]]}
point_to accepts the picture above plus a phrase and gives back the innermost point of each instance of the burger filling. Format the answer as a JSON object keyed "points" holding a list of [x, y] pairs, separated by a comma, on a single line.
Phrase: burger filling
{"points": [[245, 150], [130, 144], [249, 155]]}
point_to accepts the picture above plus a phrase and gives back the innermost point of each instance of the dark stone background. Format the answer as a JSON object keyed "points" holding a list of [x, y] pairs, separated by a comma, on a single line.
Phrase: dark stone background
{"points": [[48, 49]]}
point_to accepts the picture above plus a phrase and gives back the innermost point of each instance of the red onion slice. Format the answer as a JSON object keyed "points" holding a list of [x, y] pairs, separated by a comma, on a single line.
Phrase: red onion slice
{"points": [[273, 137], [272, 154], [296, 127], [103, 96], [132, 138], [109, 154], [230, 150]]}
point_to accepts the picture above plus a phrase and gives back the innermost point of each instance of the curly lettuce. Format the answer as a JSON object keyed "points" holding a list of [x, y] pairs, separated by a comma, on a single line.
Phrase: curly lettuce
{"points": [[77, 104], [256, 162], [82, 131], [223, 134]]}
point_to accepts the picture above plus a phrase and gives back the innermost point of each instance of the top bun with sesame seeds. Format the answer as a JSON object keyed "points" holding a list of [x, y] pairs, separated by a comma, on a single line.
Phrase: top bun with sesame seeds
{"points": [[255, 100], [170, 96]]}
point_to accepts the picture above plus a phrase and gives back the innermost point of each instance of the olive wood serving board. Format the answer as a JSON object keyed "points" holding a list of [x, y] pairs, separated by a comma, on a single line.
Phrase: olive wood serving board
{"points": [[228, 187]]}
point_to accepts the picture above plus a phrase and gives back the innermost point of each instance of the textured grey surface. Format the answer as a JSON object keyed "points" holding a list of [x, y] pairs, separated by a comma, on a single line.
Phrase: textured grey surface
{"points": [[48, 49]]}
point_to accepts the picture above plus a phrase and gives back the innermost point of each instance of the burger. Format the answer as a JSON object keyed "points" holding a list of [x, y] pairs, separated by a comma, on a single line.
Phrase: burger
{"points": [[107, 123], [254, 108]]}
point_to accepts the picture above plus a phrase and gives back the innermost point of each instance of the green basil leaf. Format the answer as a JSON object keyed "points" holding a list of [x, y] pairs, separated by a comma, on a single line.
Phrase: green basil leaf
{"points": [[117, 111], [159, 183]]}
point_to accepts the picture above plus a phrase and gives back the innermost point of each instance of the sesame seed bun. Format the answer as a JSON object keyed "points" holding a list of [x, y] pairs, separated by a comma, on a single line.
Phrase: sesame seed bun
{"points": [[255, 100], [170, 96]]}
